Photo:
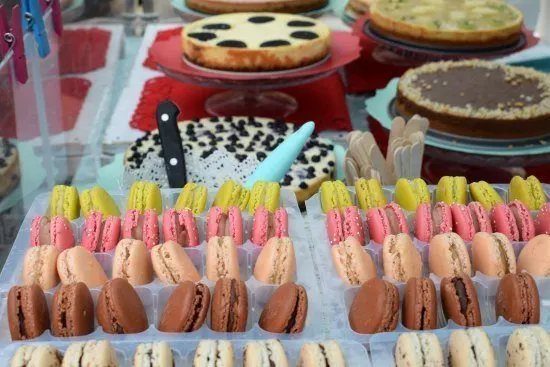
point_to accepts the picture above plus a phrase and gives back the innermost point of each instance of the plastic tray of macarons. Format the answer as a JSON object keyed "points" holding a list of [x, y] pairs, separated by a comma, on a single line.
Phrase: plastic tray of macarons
{"points": [[150, 271], [397, 260]]}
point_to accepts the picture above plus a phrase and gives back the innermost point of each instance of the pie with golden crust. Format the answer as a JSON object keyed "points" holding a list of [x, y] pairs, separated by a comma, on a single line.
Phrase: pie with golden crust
{"points": [[239, 6], [475, 23], [255, 41]]}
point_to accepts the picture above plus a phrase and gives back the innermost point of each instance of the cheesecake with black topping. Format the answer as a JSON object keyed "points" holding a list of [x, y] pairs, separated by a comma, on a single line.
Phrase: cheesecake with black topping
{"points": [[239, 6], [255, 41], [473, 23], [478, 98], [242, 137], [9, 167]]}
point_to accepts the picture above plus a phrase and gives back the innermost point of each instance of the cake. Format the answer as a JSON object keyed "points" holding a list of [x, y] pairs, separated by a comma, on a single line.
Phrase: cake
{"points": [[9, 167], [473, 23], [236, 6], [255, 41], [477, 98], [243, 137], [358, 8]]}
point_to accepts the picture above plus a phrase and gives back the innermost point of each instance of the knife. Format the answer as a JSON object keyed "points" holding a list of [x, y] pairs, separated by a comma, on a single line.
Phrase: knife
{"points": [[170, 139]]}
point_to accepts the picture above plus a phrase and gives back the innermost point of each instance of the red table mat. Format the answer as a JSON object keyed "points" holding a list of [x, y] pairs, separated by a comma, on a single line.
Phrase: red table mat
{"points": [[83, 50]]}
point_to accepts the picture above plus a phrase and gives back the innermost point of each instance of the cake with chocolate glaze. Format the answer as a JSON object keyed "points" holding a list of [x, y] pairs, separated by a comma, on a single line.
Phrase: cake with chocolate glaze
{"points": [[255, 41], [477, 98], [238, 6]]}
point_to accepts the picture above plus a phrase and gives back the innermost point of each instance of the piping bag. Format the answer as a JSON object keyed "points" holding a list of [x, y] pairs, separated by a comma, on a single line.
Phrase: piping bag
{"points": [[277, 164]]}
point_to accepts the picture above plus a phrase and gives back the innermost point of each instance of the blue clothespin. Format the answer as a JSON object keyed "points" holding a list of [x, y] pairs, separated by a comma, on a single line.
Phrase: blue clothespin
{"points": [[33, 22]]}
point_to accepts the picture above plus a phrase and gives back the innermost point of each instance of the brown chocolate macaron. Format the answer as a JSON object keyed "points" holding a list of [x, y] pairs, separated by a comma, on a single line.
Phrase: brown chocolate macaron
{"points": [[419, 310], [286, 310], [459, 300], [375, 307], [28, 315], [229, 311], [186, 309], [72, 311], [517, 299], [119, 309]]}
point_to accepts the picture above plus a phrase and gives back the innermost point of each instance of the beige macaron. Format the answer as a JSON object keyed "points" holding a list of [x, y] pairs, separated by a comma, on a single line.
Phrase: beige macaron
{"points": [[528, 346], [493, 254], [222, 259], [449, 256], [352, 262], [36, 356], [77, 264], [401, 258], [40, 266], [132, 262], [276, 263], [172, 265], [535, 256]]}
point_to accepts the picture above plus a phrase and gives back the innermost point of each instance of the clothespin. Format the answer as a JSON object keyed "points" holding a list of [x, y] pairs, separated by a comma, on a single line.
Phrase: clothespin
{"points": [[33, 22], [56, 14], [12, 38]]}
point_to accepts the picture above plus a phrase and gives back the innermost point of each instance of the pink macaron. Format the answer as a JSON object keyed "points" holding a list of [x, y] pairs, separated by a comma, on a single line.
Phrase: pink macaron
{"points": [[524, 221], [219, 224], [429, 223], [463, 224], [542, 221], [480, 217], [266, 225], [378, 224], [396, 218], [40, 231], [341, 226], [56, 231], [503, 221], [101, 235], [144, 227], [180, 226]]}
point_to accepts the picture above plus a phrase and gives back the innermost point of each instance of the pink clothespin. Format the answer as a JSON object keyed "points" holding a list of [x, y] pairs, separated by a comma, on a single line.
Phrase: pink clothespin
{"points": [[4, 30], [43, 5], [15, 36], [56, 17]]}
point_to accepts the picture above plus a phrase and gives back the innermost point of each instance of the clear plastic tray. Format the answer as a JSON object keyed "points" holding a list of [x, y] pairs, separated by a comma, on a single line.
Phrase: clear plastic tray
{"points": [[154, 295], [338, 296], [184, 351]]}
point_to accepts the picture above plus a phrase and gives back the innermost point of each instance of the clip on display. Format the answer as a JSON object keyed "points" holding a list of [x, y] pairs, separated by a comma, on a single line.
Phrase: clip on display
{"points": [[56, 14], [13, 38], [33, 22]]}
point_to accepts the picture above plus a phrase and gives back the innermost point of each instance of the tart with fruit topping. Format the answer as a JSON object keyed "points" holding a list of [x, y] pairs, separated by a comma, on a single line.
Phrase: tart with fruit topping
{"points": [[237, 6], [255, 41], [475, 23], [478, 99]]}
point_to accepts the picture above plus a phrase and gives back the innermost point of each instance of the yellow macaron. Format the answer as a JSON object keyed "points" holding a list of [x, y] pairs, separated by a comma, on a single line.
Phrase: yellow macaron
{"points": [[451, 189], [98, 199], [409, 194], [334, 194], [145, 195], [264, 193], [64, 202], [369, 194], [485, 194], [192, 197], [232, 194], [529, 191]]}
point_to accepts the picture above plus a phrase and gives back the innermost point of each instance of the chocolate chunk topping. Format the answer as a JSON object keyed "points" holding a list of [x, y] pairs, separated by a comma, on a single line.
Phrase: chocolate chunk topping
{"points": [[232, 44], [304, 35], [300, 23], [202, 36], [261, 19], [275, 43], [218, 26], [461, 293]]}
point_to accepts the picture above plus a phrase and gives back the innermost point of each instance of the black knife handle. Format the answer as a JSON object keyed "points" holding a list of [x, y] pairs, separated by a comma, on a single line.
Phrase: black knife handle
{"points": [[174, 161]]}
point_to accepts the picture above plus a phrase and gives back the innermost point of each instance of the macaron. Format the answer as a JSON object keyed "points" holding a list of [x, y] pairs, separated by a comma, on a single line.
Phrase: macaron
{"points": [[429, 223], [341, 225], [503, 221], [463, 224], [542, 221], [231, 194], [528, 346], [222, 259], [72, 311], [90, 353], [411, 193], [449, 256], [524, 221], [154, 355], [40, 267], [266, 194], [369, 193], [172, 265], [28, 315], [381, 298], [144, 195], [378, 224], [396, 218], [493, 254], [459, 300], [192, 197], [186, 309], [264, 353], [352, 262], [517, 299], [401, 259], [480, 217], [220, 351], [266, 225], [328, 353], [529, 191], [418, 349], [334, 194], [485, 194], [41, 355], [276, 263], [471, 347], [101, 235], [56, 231], [228, 222], [97, 199], [451, 190], [419, 309], [286, 310], [142, 226], [64, 202], [132, 262], [229, 311], [534, 258], [79, 265], [180, 226], [119, 309]]}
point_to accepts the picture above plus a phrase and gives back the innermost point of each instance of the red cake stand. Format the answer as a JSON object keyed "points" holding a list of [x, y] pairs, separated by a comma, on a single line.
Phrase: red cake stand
{"points": [[252, 93]]}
